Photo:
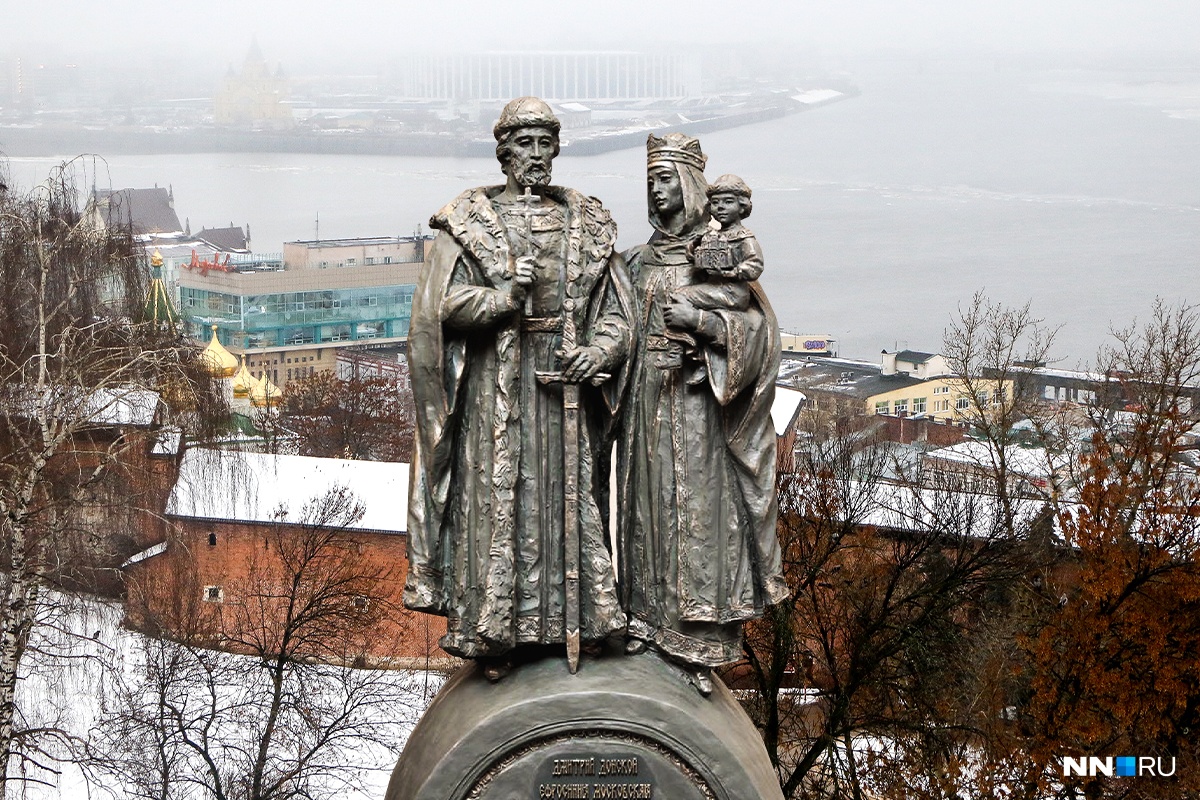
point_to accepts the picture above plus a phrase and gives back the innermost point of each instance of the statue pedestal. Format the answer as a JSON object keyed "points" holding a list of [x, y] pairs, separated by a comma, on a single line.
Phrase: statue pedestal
{"points": [[623, 727]]}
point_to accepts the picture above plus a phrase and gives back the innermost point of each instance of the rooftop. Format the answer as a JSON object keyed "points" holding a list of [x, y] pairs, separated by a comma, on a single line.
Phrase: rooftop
{"points": [[784, 409], [226, 240], [146, 210], [852, 378], [1032, 462], [258, 487], [914, 356], [358, 241]]}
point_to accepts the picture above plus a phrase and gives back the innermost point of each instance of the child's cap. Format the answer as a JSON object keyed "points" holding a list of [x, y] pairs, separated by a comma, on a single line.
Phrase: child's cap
{"points": [[729, 184]]}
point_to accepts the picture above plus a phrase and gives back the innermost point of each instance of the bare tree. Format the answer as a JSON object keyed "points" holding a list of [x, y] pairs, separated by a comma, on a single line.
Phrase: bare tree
{"points": [[75, 359], [284, 708], [990, 349]]}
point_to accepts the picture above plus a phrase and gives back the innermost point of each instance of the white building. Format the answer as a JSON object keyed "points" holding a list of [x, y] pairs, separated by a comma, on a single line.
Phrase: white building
{"points": [[501, 76]]}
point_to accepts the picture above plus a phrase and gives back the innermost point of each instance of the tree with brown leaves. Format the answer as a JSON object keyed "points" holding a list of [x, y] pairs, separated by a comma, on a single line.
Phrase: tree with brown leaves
{"points": [[863, 665], [360, 417], [1112, 660]]}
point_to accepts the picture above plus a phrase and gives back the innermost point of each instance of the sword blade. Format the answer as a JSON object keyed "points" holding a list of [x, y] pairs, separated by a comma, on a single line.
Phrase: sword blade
{"points": [[571, 543]]}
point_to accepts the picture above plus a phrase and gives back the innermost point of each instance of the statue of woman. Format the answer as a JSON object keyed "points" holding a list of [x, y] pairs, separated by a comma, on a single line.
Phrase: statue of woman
{"points": [[698, 550]]}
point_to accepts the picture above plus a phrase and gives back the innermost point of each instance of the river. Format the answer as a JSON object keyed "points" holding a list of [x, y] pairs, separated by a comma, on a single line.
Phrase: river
{"points": [[1076, 191]]}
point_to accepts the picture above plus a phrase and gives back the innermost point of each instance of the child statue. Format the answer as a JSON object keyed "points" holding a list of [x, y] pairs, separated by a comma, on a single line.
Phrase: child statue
{"points": [[726, 259]]}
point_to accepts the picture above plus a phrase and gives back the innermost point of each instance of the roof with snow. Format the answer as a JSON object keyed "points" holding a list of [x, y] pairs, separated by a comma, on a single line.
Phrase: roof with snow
{"points": [[784, 409], [183, 248], [107, 407], [167, 440], [150, 552], [855, 383], [910, 508], [1033, 462], [259, 487], [122, 406]]}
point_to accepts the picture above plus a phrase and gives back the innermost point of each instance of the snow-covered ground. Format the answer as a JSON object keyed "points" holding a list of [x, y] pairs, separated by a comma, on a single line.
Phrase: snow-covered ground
{"points": [[79, 657]]}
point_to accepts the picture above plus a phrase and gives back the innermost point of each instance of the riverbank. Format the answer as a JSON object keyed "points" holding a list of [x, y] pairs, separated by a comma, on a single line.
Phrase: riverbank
{"points": [[31, 141]]}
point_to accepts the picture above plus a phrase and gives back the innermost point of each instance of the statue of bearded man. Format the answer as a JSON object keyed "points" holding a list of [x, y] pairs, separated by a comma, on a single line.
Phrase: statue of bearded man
{"points": [[523, 303]]}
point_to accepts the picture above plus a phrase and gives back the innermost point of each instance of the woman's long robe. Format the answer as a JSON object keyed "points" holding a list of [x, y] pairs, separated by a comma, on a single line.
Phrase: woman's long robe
{"points": [[698, 548]]}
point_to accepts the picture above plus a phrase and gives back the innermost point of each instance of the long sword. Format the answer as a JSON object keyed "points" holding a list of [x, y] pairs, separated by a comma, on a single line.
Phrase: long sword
{"points": [[571, 544], [571, 550]]}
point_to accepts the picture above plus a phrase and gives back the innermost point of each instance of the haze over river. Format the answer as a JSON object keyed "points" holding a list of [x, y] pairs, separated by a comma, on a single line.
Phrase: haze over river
{"points": [[1078, 191]]}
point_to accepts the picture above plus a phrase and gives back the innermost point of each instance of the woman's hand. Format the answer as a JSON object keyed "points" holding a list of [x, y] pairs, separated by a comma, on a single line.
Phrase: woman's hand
{"points": [[582, 364], [681, 314]]}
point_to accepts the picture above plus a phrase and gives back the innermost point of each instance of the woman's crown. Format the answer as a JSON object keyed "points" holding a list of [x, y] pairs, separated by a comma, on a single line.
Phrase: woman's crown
{"points": [[677, 147]]}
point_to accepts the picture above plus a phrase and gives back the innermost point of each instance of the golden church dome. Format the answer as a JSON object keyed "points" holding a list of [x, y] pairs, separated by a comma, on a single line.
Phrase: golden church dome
{"points": [[220, 362], [265, 394], [243, 382]]}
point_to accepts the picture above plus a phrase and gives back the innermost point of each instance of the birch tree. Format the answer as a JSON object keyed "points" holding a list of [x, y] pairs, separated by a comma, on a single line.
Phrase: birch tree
{"points": [[75, 358]]}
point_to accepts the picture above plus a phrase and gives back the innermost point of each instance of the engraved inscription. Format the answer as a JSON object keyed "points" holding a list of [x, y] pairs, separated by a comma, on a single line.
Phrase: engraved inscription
{"points": [[595, 791], [622, 791], [596, 766], [574, 766], [564, 791], [618, 766], [602, 768]]}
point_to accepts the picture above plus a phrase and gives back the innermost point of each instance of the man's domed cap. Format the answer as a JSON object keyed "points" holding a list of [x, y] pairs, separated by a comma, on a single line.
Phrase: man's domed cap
{"points": [[526, 112]]}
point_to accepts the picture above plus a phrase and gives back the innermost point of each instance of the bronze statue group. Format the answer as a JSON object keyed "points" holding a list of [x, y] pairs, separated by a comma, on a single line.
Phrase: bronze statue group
{"points": [[534, 346]]}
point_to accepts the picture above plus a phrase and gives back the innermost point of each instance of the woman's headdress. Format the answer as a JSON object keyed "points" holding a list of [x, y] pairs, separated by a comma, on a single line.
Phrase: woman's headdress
{"points": [[684, 154], [677, 147]]}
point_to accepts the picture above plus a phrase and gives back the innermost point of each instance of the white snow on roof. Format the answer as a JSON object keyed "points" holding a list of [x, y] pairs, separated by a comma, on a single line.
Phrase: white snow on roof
{"points": [[1055, 372], [1028, 461], [783, 411], [123, 405], [846, 362], [904, 507], [114, 405], [149, 552], [259, 487]]}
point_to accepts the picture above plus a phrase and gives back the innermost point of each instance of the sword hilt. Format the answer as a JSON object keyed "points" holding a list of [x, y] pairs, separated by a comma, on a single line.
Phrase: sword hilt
{"points": [[527, 201], [546, 377]]}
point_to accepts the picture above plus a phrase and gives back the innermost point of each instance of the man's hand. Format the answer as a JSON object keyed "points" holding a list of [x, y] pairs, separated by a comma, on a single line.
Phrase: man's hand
{"points": [[522, 278], [582, 364], [681, 314]]}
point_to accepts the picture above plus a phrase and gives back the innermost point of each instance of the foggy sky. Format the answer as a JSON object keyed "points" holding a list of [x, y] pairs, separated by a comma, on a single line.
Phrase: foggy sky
{"points": [[371, 31]]}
